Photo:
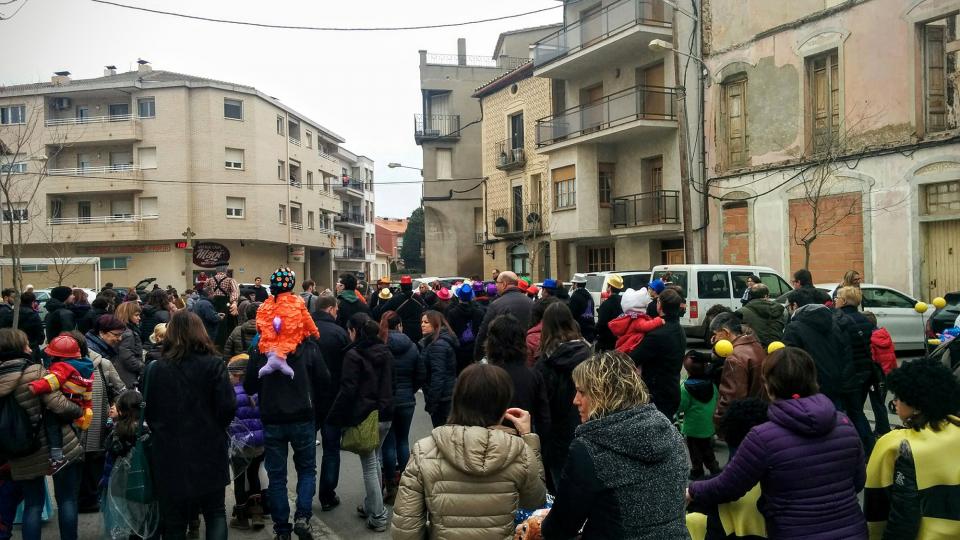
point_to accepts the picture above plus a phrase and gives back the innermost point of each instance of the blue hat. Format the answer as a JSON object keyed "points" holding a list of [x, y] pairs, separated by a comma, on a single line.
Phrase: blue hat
{"points": [[658, 285], [549, 283], [465, 292]]}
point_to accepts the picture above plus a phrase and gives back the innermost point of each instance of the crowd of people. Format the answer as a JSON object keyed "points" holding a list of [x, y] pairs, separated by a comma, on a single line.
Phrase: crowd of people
{"points": [[605, 427]]}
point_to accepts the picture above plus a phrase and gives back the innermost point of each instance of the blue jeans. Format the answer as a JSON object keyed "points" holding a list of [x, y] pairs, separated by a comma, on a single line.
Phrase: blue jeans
{"points": [[302, 437], [11, 493], [330, 463], [66, 488], [377, 514], [396, 447], [176, 513]]}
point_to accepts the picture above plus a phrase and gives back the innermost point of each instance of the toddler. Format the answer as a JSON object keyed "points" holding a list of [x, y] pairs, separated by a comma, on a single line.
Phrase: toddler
{"points": [[634, 324], [698, 401]]}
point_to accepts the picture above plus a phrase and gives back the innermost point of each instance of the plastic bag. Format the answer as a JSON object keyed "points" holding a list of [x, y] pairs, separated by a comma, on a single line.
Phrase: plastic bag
{"points": [[122, 515]]}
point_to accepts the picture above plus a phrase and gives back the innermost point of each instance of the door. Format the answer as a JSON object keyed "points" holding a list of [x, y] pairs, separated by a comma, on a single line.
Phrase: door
{"points": [[934, 59], [120, 160], [56, 209], [437, 123], [518, 217], [535, 191], [941, 266], [516, 136], [592, 111], [83, 211], [673, 256], [84, 161], [735, 116], [121, 209], [83, 113], [652, 98]]}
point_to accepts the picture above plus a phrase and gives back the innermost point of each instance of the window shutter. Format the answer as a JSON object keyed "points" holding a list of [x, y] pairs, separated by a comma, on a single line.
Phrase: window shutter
{"points": [[736, 122], [148, 158], [935, 79]]}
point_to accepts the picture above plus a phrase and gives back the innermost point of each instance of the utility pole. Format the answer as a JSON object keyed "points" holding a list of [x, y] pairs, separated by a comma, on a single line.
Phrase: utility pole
{"points": [[684, 170]]}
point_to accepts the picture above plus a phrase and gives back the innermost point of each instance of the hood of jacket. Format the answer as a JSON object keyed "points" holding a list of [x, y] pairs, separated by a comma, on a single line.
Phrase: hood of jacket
{"points": [[536, 329], [765, 308], [53, 304], [477, 451], [398, 343], [444, 335], [817, 316], [84, 366], [99, 345], [700, 389], [881, 338], [568, 355], [641, 433], [12, 365], [349, 296], [810, 416]]}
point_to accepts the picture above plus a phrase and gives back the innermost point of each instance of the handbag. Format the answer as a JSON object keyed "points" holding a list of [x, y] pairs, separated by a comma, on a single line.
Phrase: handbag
{"points": [[140, 480], [364, 437]]}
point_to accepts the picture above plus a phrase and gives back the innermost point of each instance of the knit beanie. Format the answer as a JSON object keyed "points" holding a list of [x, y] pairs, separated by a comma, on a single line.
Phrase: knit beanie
{"points": [[635, 301], [61, 293]]}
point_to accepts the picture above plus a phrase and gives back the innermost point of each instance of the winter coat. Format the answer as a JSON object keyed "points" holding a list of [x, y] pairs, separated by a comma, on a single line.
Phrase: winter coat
{"points": [[660, 357], [240, 339], [461, 316], [813, 329], [29, 322], [130, 356], [630, 328], [366, 384], [333, 343], [246, 430], [150, 318], [766, 318], [17, 371], [858, 330], [348, 305], [741, 375], [59, 318], [512, 301], [440, 359], [530, 394], [410, 308], [533, 343], [284, 400], [94, 343], [625, 477], [107, 387], [557, 372], [85, 323], [467, 481], [409, 371], [609, 310], [810, 466], [882, 350], [698, 401], [204, 309], [582, 306], [189, 405]]}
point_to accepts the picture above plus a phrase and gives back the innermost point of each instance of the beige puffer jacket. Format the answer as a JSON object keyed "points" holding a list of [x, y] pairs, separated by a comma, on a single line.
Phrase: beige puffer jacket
{"points": [[14, 377], [467, 482]]}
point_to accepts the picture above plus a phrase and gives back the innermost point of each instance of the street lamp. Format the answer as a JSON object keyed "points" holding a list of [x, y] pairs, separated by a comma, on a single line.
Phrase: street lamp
{"points": [[661, 45], [395, 165]]}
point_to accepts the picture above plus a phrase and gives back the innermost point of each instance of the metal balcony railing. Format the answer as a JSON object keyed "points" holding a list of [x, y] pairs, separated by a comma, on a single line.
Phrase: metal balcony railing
{"points": [[594, 28], [349, 253], [650, 208], [436, 126], [101, 220], [297, 226], [87, 120], [294, 141], [637, 103], [479, 238], [347, 182], [352, 218], [295, 182], [506, 63], [520, 219], [81, 171], [509, 157]]}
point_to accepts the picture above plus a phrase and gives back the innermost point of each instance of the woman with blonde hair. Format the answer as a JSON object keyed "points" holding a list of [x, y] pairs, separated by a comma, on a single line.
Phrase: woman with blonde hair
{"points": [[130, 350], [626, 470]]}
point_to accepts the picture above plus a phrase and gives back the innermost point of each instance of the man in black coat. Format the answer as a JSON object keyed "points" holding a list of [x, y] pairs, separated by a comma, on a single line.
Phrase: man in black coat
{"points": [[660, 355], [609, 310], [333, 341], [408, 306], [204, 309], [349, 302], [260, 293], [582, 306], [510, 299], [803, 279], [29, 321], [59, 316]]}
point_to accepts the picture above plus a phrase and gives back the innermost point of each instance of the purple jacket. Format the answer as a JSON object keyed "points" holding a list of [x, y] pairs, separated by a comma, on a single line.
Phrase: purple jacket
{"points": [[810, 466], [246, 429]]}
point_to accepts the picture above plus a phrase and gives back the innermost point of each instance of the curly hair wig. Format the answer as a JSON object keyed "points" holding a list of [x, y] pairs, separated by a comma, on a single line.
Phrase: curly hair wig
{"points": [[929, 387]]}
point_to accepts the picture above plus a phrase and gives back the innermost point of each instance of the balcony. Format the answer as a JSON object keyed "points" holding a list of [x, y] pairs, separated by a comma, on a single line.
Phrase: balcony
{"points": [[653, 208], [641, 110], [620, 30], [352, 186], [296, 226], [294, 140], [351, 219], [99, 220], [117, 128], [107, 179], [479, 238], [329, 165], [436, 127], [354, 253], [506, 63], [126, 227], [521, 220], [509, 158]]}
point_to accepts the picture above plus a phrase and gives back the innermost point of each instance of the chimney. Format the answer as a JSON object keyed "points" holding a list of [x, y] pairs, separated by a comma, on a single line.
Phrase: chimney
{"points": [[461, 51], [109, 70], [144, 66], [60, 78]]}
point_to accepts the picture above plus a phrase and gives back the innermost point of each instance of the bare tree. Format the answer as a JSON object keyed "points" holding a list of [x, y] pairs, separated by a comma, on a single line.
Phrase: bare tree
{"points": [[57, 250]]}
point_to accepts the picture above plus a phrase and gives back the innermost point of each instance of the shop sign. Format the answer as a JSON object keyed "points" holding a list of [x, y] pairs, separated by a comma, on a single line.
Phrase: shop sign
{"points": [[296, 254], [210, 254]]}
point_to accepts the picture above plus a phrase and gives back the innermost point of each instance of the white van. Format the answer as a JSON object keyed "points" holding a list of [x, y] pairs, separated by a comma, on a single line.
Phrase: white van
{"points": [[707, 285], [597, 283]]}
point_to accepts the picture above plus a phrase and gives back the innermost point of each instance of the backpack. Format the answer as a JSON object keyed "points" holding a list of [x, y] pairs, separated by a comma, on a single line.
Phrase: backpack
{"points": [[310, 300], [19, 436]]}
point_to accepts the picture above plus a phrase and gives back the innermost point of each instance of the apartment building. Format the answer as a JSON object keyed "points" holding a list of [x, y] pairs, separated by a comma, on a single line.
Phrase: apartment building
{"points": [[517, 226], [846, 111], [448, 130], [160, 173], [614, 131], [356, 231]]}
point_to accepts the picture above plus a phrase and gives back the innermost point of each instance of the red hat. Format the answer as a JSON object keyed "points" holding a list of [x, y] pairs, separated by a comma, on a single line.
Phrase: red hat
{"points": [[533, 291], [523, 285], [406, 280], [443, 293], [63, 347]]}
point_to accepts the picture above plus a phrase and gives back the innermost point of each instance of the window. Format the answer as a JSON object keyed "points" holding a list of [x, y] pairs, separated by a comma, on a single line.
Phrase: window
{"points": [[113, 263], [149, 207], [516, 131], [37, 267], [884, 298], [56, 208], [119, 111], [444, 163], [13, 114], [15, 168], [121, 209], [148, 157], [309, 179], [605, 173], [823, 82], [310, 219], [281, 122], [940, 198], [146, 107], [83, 211], [564, 187], [600, 259], [740, 283], [733, 121], [935, 86], [296, 215], [15, 212], [309, 137], [520, 260], [234, 158], [713, 284], [233, 109], [281, 170], [775, 283], [235, 207], [282, 214]]}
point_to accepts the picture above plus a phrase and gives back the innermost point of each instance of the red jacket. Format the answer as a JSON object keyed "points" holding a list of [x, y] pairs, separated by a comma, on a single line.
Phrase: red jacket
{"points": [[882, 350], [64, 377], [630, 329], [533, 344]]}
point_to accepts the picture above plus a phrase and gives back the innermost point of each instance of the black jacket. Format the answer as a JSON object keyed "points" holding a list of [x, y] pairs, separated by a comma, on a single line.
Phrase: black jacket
{"points": [[512, 301], [461, 316], [410, 308], [99, 346], [284, 400], [348, 305], [59, 318], [129, 362], [409, 372], [858, 330], [260, 293], [189, 405], [582, 306], [29, 322], [366, 384], [85, 324], [333, 343], [814, 329], [557, 372], [660, 357], [150, 318], [440, 358], [530, 394], [609, 310]]}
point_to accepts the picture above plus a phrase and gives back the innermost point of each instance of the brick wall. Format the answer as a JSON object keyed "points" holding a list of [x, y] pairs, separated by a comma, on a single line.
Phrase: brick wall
{"points": [[736, 235], [835, 251]]}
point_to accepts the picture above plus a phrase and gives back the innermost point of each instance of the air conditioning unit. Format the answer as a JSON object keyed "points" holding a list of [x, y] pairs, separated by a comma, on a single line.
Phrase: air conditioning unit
{"points": [[61, 103]]}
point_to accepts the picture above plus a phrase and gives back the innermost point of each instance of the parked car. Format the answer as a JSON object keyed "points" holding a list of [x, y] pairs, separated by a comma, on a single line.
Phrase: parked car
{"points": [[945, 317], [895, 312], [707, 285], [140, 287], [44, 294]]}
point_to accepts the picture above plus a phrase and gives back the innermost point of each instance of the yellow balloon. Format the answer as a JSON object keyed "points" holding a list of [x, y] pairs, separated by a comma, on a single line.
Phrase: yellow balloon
{"points": [[939, 302], [921, 307], [775, 346], [723, 348]]}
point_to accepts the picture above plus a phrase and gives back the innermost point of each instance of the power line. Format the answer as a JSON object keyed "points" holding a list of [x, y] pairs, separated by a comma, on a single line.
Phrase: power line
{"points": [[324, 28], [2, 18]]}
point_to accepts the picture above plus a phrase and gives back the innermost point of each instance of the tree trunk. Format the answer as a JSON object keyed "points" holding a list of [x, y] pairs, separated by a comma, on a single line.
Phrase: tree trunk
{"points": [[807, 246]]}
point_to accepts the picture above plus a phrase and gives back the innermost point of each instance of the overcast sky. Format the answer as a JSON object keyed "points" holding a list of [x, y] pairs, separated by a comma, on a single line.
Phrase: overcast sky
{"points": [[364, 86]]}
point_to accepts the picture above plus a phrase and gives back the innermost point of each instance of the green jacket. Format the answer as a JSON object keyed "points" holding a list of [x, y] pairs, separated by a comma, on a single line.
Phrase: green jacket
{"points": [[698, 400]]}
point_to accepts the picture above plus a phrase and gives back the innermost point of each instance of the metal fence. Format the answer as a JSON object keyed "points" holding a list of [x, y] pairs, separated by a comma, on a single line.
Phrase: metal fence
{"points": [[509, 157], [506, 63], [518, 219], [436, 126]]}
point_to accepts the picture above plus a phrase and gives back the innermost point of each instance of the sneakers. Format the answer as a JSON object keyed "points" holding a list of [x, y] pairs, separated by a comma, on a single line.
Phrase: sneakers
{"points": [[302, 528], [329, 504], [376, 528], [361, 512], [282, 536], [240, 519]]}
